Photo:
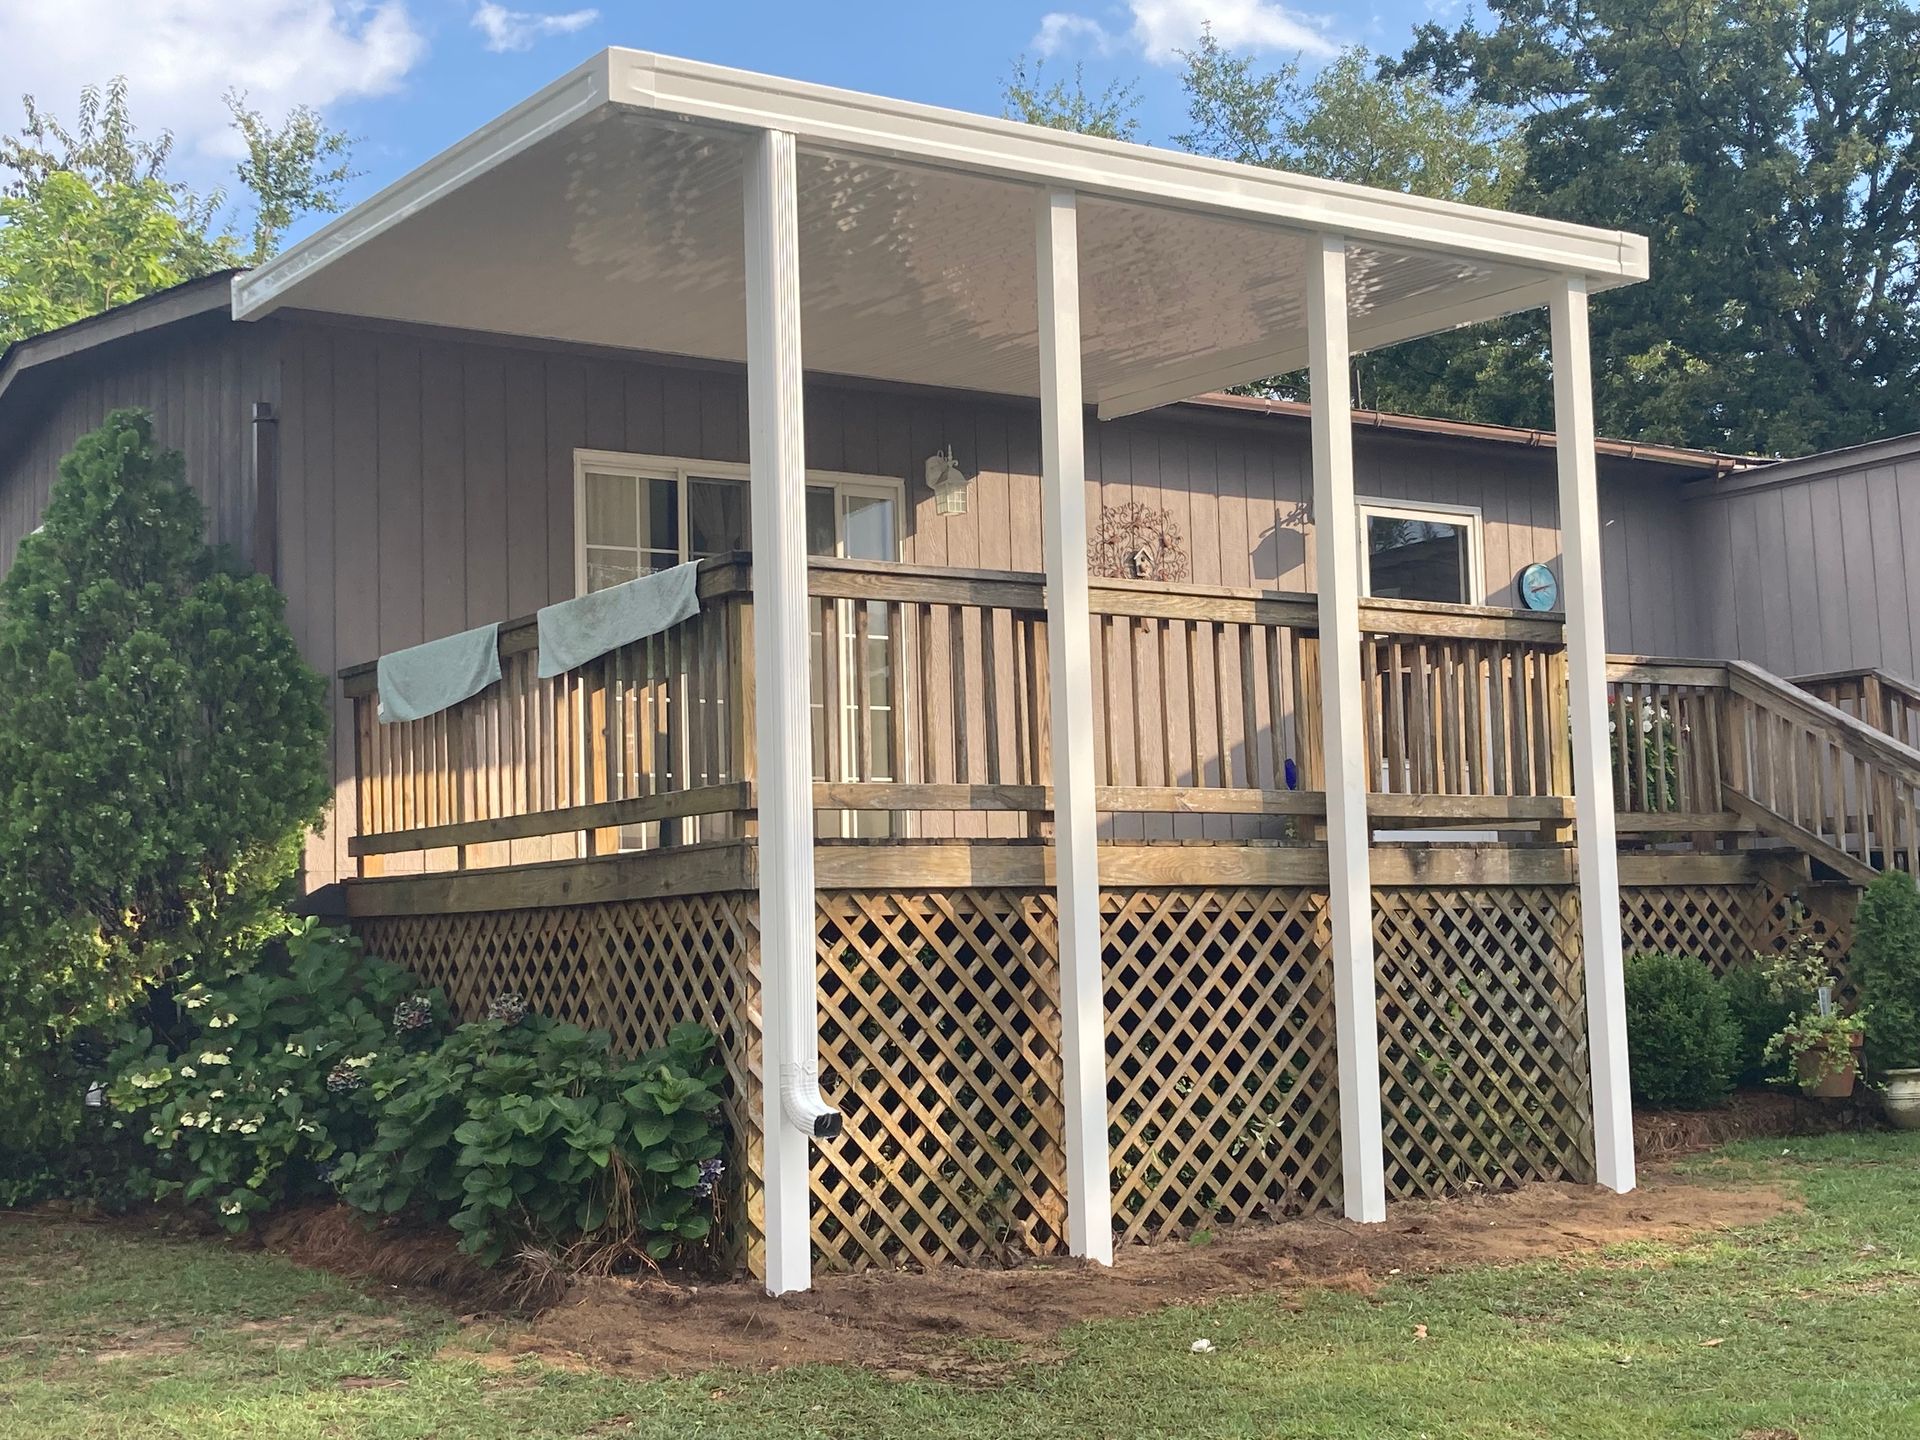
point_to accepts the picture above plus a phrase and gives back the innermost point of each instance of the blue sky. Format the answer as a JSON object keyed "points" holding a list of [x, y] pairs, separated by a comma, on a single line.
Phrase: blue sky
{"points": [[409, 77]]}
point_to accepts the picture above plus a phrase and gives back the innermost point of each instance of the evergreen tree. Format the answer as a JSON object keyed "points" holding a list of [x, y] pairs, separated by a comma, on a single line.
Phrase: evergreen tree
{"points": [[162, 745]]}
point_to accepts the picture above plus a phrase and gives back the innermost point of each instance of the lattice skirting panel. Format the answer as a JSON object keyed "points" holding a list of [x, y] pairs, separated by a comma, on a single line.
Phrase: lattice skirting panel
{"points": [[940, 1035], [1483, 1037], [940, 1044], [1726, 925], [634, 968], [1222, 1087]]}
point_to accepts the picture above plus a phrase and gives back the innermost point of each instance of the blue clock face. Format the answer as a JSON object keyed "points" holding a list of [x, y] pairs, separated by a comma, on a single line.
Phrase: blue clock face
{"points": [[1540, 588]]}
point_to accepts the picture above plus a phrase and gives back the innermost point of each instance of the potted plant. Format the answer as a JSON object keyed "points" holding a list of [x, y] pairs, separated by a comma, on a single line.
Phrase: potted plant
{"points": [[1886, 968], [1825, 1051], [1819, 1042]]}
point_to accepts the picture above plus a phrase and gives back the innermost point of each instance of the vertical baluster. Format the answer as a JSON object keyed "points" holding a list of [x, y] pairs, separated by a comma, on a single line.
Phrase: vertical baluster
{"points": [[897, 689], [1249, 710], [1395, 751], [959, 691], [990, 693], [929, 767], [862, 691], [1277, 742]]}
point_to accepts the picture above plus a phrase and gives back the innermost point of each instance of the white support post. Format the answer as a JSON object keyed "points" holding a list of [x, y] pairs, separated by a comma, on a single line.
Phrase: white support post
{"points": [[1599, 860], [1063, 467], [1349, 879], [790, 1037]]}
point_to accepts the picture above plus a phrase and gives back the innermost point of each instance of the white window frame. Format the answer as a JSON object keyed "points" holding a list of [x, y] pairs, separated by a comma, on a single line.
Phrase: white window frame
{"points": [[1430, 510], [680, 469]]}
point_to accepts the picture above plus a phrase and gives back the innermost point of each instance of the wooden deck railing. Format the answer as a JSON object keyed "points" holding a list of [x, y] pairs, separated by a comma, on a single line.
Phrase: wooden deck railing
{"points": [[1886, 702], [1697, 744], [1466, 702], [931, 717], [649, 744]]}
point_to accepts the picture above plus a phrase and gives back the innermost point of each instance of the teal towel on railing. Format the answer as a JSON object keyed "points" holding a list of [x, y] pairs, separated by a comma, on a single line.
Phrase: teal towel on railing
{"points": [[576, 631], [429, 678]]}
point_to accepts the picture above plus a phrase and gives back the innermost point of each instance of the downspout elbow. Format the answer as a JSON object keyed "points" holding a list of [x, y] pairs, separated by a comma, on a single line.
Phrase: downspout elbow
{"points": [[800, 1101]]}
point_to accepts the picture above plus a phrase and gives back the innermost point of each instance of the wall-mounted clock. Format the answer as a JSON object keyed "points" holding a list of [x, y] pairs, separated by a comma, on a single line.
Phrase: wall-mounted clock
{"points": [[1539, 588]]}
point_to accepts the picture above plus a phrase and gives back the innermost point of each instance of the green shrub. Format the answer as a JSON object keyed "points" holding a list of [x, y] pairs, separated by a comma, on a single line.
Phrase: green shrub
{"points": [[324, 1071], [248, 1090], [1886, 970], [57, 1140], [1758, 1015], [162, 748], [520, 1131], [1681, 1039]]}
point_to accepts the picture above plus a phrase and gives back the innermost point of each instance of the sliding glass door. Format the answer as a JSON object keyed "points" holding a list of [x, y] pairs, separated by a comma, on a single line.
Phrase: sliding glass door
{"points": [[640, 514]]}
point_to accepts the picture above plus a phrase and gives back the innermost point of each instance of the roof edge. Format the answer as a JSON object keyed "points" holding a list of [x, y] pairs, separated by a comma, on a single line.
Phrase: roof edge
{"points": [[191, 298], [1716, 461], [1862, 456]]}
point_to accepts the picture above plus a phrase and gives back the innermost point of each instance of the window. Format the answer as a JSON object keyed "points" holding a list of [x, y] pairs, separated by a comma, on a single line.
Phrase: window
{"points": [[1421, 552], [643, 513]]}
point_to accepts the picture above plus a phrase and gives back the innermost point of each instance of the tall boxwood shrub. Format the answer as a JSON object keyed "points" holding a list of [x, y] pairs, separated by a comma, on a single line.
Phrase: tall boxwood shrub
{"points": [[1681, 1038], [162, 745], [1885, 960]]}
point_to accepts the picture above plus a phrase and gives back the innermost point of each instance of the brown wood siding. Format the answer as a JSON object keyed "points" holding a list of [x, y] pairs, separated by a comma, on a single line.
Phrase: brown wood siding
{"points": [[428, 486], [200, 380], [1813, 572]]}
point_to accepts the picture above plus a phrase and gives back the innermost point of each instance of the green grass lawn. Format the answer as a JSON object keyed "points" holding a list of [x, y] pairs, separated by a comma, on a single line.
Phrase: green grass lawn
{"points": [[107, 1333]]}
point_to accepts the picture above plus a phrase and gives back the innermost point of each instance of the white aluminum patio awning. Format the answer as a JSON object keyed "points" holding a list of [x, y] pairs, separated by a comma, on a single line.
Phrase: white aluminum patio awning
{"points": [[606, 210]]}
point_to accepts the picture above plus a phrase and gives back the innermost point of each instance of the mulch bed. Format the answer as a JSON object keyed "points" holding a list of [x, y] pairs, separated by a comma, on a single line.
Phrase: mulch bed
{"points": [[1749, 1115]]}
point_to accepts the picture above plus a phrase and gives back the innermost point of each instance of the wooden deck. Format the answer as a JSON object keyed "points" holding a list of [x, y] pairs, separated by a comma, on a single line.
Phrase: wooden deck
{"points": [[589, 841]]}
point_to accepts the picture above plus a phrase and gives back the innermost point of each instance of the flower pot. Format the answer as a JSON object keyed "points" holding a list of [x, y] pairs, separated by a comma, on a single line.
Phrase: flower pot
{"points": [[1820, 1079], [1903, 1099]]}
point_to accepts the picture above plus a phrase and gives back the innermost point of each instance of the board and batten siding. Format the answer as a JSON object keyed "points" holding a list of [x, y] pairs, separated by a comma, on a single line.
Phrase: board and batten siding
{"points": [[200, 382], [1813, 568], [427, 486]]}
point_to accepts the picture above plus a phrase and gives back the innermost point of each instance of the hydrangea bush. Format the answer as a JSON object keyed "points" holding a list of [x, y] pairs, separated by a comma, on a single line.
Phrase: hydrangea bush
{"points": [[521, 1130], [241, 1096], [325, 1071]]}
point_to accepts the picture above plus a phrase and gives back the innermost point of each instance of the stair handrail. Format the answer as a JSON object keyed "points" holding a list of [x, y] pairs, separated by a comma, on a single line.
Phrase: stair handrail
{"points": [[1764, 686]]}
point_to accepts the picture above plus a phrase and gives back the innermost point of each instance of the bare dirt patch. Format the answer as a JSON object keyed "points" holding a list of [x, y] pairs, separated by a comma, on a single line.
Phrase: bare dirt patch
{"points": [[961, 1323]]}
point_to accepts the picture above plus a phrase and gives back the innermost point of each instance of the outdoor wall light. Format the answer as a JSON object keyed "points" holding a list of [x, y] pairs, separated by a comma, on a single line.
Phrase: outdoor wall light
{"points": [[948, 482]]}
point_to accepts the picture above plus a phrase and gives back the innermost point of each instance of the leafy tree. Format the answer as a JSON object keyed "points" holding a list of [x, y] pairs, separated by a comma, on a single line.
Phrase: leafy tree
{"points": [[89, 218], [1354, 121], [1769, 148], [162, 746], [299, 167], [1067, 104], [70, 251]]}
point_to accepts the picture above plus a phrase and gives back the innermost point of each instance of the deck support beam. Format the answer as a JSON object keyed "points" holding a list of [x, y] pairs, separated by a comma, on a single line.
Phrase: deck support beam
{"points": [[1349, 878], [1083, 1045], [790, 1035], [1598, 858]]}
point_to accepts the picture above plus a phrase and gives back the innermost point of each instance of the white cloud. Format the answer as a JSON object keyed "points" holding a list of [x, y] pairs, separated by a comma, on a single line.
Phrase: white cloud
{"points": [[180, 57], [506, 29], [1163, 28], [1061, 30]]}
